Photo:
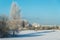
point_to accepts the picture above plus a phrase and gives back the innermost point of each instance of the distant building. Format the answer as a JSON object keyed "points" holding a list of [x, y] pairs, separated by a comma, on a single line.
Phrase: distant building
{"points": [[35, 25], [48, 25]]}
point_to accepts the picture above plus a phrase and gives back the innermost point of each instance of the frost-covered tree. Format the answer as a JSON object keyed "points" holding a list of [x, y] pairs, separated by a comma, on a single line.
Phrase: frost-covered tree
{"points": [[14, 22]]}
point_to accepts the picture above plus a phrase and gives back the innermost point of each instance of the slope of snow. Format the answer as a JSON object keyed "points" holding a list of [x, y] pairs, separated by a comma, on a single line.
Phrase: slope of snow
{"points": [[36, 35]]}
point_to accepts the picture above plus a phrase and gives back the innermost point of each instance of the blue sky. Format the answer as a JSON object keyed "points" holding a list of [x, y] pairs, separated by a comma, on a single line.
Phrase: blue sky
{"points": [[40, 11]]}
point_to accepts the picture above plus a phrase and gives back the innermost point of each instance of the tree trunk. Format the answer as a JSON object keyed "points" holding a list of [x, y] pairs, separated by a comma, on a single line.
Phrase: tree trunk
{"points": [[13, 33]]}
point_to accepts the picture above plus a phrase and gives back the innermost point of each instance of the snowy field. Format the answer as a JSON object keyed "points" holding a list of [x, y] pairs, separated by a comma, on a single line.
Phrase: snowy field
{"points": [[36, 35]]}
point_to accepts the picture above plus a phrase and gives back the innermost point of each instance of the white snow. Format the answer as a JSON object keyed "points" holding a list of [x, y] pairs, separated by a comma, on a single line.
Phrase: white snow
{"points": [[37, 35]]}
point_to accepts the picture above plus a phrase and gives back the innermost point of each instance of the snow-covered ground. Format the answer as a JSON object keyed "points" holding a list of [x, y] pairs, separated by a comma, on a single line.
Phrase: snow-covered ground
{"points": [[36, 35]]}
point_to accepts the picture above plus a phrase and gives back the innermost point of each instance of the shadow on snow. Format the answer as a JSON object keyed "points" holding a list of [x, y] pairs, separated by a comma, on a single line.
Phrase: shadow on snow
{"points": [[29, 34]]}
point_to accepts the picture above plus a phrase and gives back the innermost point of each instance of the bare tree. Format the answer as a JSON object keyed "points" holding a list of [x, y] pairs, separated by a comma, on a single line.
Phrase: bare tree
{"points": [[3, 26]]}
